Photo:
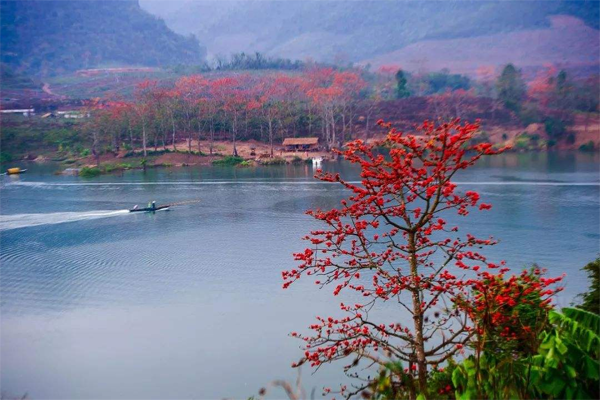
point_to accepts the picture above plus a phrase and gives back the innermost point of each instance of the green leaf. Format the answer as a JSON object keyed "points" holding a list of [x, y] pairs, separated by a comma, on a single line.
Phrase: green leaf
{"points": [[592, 368], [585, 318]]}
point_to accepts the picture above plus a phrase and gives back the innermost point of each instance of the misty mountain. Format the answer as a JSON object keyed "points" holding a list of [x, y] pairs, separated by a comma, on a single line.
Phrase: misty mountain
{"points": [[51, 37], [354, 31]]}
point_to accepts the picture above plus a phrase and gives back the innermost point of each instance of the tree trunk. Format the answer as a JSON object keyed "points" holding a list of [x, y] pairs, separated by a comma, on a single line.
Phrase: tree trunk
{"points": [[234, 134], [417, 318], [130, 135], [144, 139], [212, 135], [271, 136], [173, 125]]}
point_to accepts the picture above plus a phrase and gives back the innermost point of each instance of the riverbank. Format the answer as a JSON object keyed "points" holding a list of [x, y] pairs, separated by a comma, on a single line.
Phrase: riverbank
{"points": [[250, 153]]}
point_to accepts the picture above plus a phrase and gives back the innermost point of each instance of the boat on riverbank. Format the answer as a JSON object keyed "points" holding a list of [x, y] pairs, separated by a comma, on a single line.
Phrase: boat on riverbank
{"points": [[15, 171]]}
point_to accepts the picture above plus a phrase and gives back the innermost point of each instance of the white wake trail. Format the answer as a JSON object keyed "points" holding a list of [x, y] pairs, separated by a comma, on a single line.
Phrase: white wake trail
{"points": [[15, 221]]}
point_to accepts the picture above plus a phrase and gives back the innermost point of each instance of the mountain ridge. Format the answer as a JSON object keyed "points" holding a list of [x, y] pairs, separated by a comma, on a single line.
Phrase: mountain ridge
{"points": [[355, 31], [49, 37]]}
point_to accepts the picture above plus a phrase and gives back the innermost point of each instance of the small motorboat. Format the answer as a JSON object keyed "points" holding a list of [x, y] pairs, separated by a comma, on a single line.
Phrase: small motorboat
{"points": [[150, 209]]}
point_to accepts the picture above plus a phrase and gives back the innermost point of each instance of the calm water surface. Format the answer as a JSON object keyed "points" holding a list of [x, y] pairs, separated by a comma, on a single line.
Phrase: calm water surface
{"points": [[100, 303]]}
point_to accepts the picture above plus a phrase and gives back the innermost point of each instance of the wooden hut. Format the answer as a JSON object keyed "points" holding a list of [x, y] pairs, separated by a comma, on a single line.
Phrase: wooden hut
{"points": [[301, 144]]}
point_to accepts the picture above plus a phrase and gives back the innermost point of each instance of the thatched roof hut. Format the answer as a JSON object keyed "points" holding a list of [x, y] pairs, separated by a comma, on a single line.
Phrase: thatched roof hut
{"points": [[303, 144]]}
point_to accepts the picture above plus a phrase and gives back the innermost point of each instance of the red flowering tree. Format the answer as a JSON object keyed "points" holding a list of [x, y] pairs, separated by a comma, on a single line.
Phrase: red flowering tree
{"points": [[389, 242], [144, 108], [236, 97], [190, 90], [332, 93]]}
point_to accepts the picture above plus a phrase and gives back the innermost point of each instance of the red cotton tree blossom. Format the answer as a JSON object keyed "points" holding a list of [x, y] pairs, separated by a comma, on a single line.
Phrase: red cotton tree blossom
{"points": [[389, 242]]}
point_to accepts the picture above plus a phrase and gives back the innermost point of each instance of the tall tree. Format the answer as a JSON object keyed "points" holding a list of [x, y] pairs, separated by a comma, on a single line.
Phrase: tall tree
{"points": [[401, 89], [511, 88], [389, 242]]}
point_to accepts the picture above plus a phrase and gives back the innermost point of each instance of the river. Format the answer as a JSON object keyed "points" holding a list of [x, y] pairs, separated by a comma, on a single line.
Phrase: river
{"points": [[100, 303]]}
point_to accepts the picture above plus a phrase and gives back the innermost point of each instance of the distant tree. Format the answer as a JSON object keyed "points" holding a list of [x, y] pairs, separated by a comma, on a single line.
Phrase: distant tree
{"points": [[541, 88], [450, 104], [145, 108], [485, 77], [511, 88], [563, 96], [401, 89], [443, 81], [587, 98], [95, 126]]}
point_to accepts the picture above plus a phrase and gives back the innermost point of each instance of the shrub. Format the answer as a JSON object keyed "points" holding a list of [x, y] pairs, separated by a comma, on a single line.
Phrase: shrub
{"points": [[273, 161], [588, 147], [85, 152], [555, 128], [89, 172], [110, 168], [245, 164], [297, 160], [228, 161], [522, 142]]}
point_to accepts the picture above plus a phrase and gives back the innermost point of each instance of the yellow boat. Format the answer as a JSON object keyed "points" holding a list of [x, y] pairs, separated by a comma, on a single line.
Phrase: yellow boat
{"points": [[14, 171]]}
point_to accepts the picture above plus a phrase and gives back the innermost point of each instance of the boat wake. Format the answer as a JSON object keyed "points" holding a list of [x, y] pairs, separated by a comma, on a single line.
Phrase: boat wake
{"points": [[15, 221]]}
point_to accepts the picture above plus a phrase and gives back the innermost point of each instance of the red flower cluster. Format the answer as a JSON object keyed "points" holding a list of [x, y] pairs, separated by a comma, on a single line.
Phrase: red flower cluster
{"points": [[498, 303]]}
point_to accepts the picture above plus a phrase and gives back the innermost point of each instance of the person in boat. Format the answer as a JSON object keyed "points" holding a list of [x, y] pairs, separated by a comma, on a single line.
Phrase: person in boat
{"points": [[153, 205]]}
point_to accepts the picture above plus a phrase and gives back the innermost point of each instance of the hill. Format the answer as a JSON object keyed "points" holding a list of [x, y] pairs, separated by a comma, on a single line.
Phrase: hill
{"points": [[355, 31], [568, 42], [53, 37]]}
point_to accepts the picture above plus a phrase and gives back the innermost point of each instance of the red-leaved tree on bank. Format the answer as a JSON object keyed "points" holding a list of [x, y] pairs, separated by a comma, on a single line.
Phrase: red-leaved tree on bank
{"points": [[390, 242]]}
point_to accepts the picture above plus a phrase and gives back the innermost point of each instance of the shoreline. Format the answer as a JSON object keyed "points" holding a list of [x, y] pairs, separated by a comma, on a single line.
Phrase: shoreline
{"points": [[114, 165]]}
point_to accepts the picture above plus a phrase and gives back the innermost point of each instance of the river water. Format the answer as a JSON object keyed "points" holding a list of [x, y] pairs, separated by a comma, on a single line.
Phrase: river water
{"points": [[100, 303]]}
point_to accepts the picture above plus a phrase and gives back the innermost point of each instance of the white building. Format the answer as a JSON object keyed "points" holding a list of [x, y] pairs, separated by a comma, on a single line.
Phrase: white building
{"points": [[25, 111]]}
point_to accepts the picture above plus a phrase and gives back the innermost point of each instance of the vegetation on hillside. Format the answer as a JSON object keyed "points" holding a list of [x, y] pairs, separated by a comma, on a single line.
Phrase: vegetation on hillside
{"points": [[331, 31], [53, 37], [333, 104], [14, 80]]}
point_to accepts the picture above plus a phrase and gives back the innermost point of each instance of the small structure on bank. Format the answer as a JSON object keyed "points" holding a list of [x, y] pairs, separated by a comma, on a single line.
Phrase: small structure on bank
{"points": [[301, 144], [25, 111]]}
